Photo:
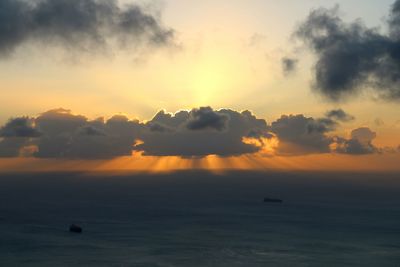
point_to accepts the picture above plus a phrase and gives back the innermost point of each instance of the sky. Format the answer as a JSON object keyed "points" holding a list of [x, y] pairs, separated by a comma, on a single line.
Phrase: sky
{"points": [[240, 84]]}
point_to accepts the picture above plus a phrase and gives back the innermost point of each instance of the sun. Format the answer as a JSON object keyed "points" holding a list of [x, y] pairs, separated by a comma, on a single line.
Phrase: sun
{"points": [[209, 80]]}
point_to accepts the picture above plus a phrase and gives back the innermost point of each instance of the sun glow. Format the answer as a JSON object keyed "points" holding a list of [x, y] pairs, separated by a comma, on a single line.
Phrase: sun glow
{"points": [[210, 80], [267, 146], [212, 163]]}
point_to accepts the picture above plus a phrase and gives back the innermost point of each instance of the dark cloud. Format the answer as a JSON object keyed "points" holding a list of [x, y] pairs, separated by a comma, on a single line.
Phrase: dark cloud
{"points": [[170, 120], [206, 118], [19, 127], [289, 65], [360, 142], [78, 24], [15, 135], [298, 134], [57, 126], [59, 121], [11, 147], [156, 127], [198, 132], [352, 57], [201, 132], [66, 135], [339, 115], [91, 131]]}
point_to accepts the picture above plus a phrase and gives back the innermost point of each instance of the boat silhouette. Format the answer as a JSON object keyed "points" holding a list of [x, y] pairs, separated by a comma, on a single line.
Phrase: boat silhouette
{"points": [[75, 228]]}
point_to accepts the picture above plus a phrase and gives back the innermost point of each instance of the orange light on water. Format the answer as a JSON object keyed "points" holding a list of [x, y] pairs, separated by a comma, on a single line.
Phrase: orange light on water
{"points": [[212, 163]]}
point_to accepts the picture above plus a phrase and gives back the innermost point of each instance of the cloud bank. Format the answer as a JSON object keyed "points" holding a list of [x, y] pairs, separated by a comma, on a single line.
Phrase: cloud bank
{"points": [[202, 132], [83, 25], [352, 57], [198, 132]]}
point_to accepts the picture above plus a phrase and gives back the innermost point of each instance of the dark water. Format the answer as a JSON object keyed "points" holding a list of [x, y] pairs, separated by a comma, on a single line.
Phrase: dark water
{"points": [[200, 219]]}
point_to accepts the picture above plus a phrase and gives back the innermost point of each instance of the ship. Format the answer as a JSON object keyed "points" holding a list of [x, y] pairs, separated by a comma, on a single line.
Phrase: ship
{"points": [[75, 228]]}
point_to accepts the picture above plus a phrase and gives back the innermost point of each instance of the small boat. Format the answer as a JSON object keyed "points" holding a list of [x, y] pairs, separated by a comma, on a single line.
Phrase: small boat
{"points": [[75, 228], [272, 200]]}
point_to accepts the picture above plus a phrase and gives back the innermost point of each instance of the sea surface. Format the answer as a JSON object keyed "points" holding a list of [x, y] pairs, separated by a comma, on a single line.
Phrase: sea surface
{"points": [[197, 218]]}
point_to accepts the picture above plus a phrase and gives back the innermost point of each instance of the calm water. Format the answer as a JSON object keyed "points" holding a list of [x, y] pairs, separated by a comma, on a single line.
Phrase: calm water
{"points": [[200, 219]]}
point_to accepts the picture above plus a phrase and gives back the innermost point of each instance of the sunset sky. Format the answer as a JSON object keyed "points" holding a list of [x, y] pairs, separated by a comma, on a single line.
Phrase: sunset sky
{"points": [[235, 84]]}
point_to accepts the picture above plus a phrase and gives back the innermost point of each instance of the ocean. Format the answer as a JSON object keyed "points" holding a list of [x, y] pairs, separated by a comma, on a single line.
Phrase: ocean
{"points": [[198, 218]]}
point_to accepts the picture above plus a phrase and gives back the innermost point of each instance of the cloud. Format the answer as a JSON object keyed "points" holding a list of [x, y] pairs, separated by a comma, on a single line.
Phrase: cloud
{"points": [[83, 25], [352, 57], [61, 134], [195, 133], [298, 134], [360, 142], [11, 147], [339, 115], [289, 65], [19, 127], [364, 135], [206, 118], [15, 135], [66, 135], [201, 132]]}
